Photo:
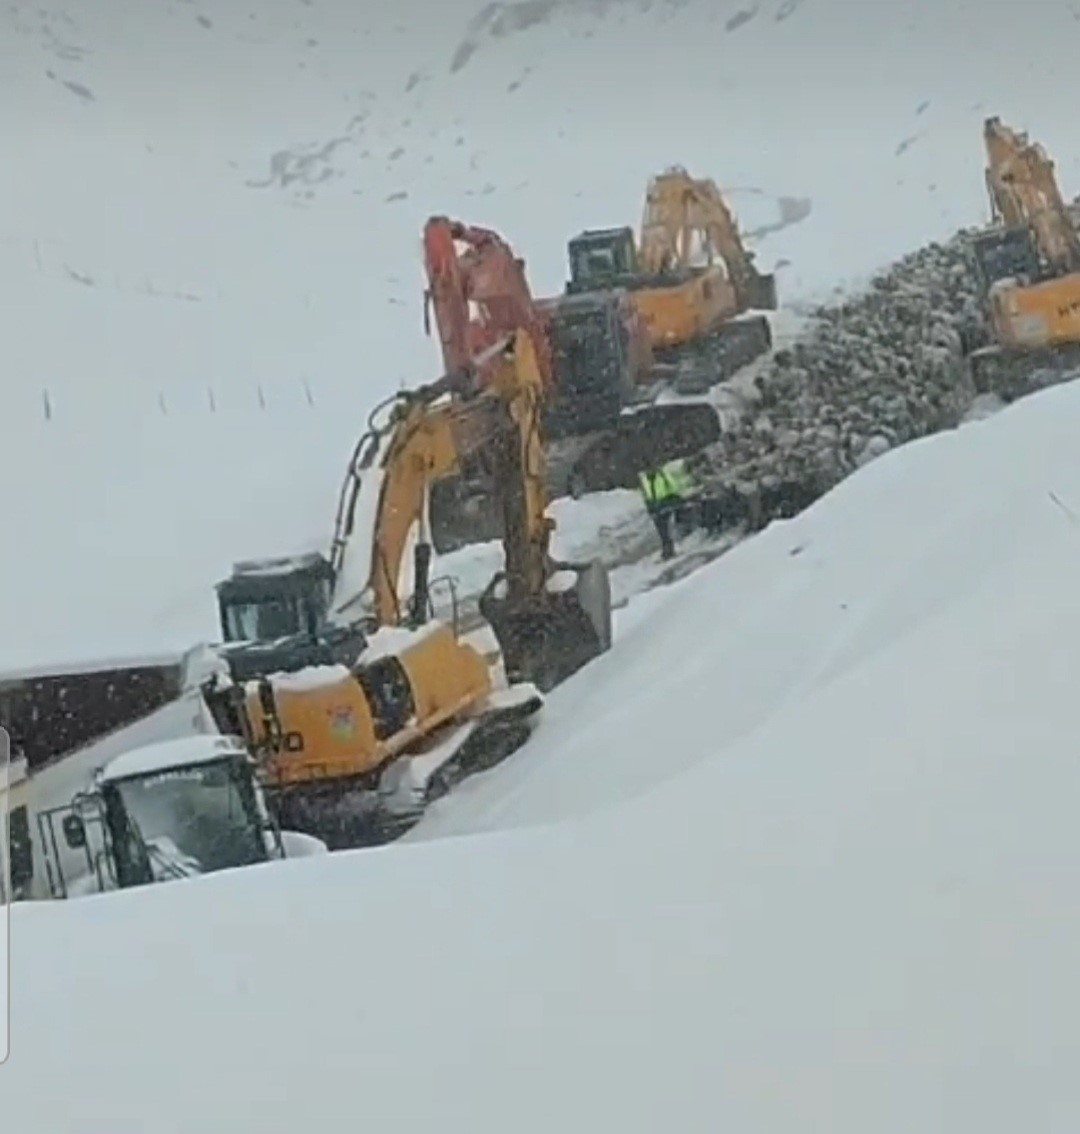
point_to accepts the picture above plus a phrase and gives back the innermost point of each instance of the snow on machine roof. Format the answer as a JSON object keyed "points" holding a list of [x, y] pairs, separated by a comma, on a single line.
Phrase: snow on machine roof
{"points": [[166, 754]]}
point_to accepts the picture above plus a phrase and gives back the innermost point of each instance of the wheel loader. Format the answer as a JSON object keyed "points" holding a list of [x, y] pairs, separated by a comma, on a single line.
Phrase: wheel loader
{"points": [[1028, 266], [352, 747], [170, 810]]}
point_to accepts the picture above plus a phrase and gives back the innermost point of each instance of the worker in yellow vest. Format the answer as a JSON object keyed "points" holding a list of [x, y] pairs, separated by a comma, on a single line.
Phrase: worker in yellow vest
{"points": [[667, 490]]}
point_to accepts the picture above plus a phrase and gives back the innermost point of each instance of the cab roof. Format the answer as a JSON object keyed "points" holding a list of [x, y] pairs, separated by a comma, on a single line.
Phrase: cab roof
{"points": [[168, 754]]}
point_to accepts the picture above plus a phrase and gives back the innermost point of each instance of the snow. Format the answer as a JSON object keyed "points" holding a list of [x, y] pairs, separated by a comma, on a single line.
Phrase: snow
{"points": [[395, 639], [310, 678], [561, 581], [799, 853], [298, 845], [235, 261], [166, 754], [278, 565]]}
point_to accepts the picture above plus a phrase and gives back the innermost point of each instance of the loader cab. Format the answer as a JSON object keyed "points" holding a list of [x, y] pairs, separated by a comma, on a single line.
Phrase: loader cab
{"points": [[1002, 254], [601, 258], [175, 809]]}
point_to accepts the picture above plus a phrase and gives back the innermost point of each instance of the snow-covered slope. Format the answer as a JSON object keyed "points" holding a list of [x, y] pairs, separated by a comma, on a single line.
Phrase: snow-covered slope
{"points": [[209, 237], [977, 524], [835, 888]]}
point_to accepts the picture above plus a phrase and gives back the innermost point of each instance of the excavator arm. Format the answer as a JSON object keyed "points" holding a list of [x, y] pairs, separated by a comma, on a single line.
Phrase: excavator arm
{"points": [[479, 295], [1028, 266], [545, 634], [1024, 192], [685, 216]]}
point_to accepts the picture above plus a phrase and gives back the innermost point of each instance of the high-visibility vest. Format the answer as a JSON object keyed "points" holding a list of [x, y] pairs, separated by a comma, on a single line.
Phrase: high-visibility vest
{"points": [[672, 481]]}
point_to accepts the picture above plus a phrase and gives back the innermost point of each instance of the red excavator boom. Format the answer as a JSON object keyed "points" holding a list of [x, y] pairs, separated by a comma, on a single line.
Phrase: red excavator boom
{"points": [[480, 296]]}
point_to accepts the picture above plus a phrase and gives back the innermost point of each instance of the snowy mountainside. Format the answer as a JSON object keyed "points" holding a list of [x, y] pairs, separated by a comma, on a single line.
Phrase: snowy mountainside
{"points": [[209, 250], [848, 907]]}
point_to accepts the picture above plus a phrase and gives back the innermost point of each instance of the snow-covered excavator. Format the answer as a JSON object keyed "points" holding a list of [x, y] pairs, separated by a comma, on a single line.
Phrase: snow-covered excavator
{"points": [[1028, 265], [353, 750]]}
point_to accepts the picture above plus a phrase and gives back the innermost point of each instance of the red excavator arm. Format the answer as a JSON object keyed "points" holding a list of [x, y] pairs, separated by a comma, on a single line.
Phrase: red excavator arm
{"points": [[480, 297]]}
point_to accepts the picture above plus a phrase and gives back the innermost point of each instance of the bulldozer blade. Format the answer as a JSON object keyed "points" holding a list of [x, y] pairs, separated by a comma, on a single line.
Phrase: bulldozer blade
{"points": [[547, 638]]}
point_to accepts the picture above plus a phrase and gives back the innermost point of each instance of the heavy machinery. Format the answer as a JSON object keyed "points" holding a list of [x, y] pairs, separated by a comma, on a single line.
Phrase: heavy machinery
{"points": [[629, 327], [170, 810], [353, 750], [689, 277], [1028, 266]]}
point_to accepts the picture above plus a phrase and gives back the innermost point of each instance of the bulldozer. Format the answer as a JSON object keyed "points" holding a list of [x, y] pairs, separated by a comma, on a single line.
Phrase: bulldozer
{"points": [[1028, 266], [353, 746], [631, 325]]}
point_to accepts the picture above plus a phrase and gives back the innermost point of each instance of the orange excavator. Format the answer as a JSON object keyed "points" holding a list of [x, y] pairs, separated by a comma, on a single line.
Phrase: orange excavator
{"points": [[1028, 265], [596, 358], [689, 276]]}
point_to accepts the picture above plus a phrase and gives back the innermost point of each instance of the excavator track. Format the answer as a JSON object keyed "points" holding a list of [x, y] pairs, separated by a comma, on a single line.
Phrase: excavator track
{"points": [[358, 815], [1010, 375], [718, 357], [645, 438]]}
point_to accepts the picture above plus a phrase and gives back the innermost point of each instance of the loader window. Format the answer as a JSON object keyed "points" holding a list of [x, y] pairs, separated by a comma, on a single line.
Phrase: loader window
{"points": [[183, 821]]}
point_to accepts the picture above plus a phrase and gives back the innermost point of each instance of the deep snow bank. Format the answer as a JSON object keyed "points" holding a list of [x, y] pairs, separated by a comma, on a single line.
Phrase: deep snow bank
{"points": [[786, 613], [852, 910]]}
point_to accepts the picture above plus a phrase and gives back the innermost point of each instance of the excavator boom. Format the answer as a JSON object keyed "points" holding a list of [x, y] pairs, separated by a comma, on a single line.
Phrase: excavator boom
{"points": [[687, 218], [1024, 193], [546, 625], [479, 296]]}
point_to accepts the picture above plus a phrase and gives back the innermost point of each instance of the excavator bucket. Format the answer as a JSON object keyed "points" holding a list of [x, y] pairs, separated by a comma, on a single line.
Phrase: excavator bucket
{"points": [[547, 638]]}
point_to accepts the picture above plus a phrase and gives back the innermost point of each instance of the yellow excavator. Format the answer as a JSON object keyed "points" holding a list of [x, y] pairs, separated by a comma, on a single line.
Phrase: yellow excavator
{"points": [[689, 276], [382, 707], [1028, 265]]}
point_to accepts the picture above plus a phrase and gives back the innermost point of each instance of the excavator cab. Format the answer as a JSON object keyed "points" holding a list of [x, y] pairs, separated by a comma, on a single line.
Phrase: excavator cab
{"points": [[601, 259], [1005, 253], [267, 599], [273, 617]]}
